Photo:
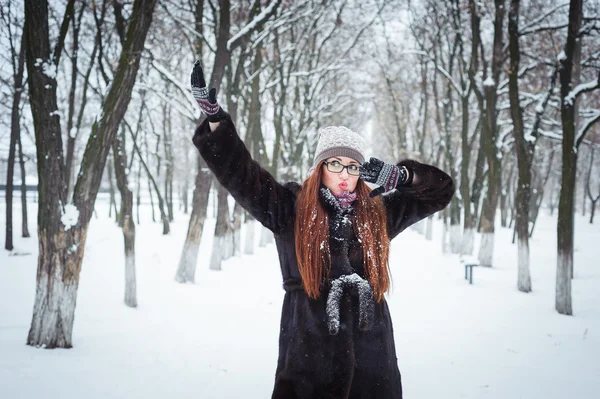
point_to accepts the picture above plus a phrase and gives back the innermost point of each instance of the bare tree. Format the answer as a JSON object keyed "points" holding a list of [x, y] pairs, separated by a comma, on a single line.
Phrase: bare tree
{"points": [[523, 152], [570, 142], [62, 225], [490, 130], [225, 45], [18, 66], [588, 187]]}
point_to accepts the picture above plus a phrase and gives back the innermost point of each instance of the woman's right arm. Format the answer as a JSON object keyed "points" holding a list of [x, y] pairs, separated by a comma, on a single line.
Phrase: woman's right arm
{"points": [[254, 188]]}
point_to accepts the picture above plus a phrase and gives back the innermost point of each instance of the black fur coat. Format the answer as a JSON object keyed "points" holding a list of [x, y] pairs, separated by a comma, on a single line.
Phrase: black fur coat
{"points": [[352, 363]]}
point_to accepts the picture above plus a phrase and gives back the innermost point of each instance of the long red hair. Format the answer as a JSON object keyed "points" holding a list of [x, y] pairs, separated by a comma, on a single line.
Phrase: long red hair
{"points": [[312, 237]]}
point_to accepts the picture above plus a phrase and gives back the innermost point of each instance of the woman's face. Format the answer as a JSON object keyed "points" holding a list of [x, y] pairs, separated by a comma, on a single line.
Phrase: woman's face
{"points": [[341, 182]]}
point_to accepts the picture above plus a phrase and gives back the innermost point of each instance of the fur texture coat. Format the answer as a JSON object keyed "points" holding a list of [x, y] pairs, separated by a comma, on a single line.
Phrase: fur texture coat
{"points": [[313, 363]]}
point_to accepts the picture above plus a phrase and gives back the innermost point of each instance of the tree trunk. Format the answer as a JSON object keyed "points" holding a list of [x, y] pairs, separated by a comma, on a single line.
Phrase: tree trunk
{"points": [[222, 241], [71, 110], [523, 155], [539, 195], [250, 232], [60, 254], [564, 272], [25, 223], [490, 205], [455, 228], [237, 229], [589, 189], [111, 190], [189, 257], [8, 243], [62, 227], [187, 263], [151, 201], [445, 231], [503, 207], [468, 234], [15, 132], [429, 229], [266, 236], [152, 184], [168, 148], [126, 221]]}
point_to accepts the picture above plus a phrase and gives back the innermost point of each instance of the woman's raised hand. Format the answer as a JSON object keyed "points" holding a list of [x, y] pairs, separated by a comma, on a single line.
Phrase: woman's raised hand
{"points": [[385, 175], [207, 100]]}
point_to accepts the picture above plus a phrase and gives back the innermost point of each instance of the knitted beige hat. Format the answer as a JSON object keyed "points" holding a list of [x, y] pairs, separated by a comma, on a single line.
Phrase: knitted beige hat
{"points": [[339, 141]]}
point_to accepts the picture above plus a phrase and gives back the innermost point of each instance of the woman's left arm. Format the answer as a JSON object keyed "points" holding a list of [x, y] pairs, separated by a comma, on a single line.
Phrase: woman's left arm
{"points": [[429, 191]]}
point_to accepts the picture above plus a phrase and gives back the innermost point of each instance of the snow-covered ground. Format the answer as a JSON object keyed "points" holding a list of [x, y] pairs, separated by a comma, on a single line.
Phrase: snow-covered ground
{"points": [[218, 338]]}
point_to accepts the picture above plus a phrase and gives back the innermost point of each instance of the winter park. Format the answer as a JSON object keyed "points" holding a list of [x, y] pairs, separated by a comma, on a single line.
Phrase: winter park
{"points": [[300, 199]]}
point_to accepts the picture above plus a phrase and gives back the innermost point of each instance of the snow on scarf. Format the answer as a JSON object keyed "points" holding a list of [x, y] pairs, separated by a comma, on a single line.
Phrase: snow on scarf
{"points": [[340, 230]]}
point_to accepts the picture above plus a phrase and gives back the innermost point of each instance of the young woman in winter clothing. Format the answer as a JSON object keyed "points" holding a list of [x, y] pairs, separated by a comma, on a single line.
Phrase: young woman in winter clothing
{"points": [[332, 235]]}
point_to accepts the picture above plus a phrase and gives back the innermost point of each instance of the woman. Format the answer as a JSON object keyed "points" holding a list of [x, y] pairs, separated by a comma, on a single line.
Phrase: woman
{"points": [[332, 235]]}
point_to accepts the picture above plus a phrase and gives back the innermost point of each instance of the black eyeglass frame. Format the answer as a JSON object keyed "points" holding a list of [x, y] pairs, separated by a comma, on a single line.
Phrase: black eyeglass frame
{"points": [[347, 167]]}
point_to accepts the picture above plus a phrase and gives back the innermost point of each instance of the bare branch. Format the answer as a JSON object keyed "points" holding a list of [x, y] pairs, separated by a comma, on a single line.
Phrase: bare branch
{"points": [[247, 30], [536, 21], [585, 128]]}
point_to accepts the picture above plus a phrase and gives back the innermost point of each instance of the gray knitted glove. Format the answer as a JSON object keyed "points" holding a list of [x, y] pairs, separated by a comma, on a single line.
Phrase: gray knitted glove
{"points": [[385, 175], [207, 101]]}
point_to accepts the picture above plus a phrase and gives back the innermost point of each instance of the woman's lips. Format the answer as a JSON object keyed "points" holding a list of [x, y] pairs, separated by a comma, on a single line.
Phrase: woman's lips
{"points": [[343, 185]]}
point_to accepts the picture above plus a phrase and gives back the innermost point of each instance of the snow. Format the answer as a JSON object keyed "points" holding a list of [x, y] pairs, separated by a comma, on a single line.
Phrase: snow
{"points": [[539, 108], [49, 69], [70, 216], [489, 81], [561, 56], [592, 84], [252, 24], [218, 338]]}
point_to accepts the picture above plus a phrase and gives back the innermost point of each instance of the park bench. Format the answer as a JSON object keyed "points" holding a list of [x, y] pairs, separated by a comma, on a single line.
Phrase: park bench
{"points": [[469, 263]]}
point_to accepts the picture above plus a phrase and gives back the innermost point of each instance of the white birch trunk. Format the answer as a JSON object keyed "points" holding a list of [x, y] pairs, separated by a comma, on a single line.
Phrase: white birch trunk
{"points": [[237, 242], [455, 238], [445, 238], [486, 250], [229, 248], [249, 239], [563, 285], [468, 241], [130, 281], [187, 264], [524, 279], [222, 246], [419, 227], [429, 230], [54, 306], [266, 237]]}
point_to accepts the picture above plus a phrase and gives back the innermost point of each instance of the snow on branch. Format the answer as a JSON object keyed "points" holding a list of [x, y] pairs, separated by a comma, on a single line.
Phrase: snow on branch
{"points": [[591, 59], [451, 80], [580, 89], [551, 135], [542, 28], [185, 91], [531, 27], [259, 19]]}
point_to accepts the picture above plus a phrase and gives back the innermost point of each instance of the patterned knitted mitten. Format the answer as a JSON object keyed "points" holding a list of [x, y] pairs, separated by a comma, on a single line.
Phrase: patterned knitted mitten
{"points": [[207, 100], [385, 175]]}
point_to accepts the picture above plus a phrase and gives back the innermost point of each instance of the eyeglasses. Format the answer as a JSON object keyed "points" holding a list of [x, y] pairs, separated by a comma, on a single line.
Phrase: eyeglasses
{"points": [[337, 167]]}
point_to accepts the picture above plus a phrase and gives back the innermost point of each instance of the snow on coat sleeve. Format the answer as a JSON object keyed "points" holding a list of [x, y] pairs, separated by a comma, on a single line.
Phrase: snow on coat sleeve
{"points": [[254, 188], [408, 204]]}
